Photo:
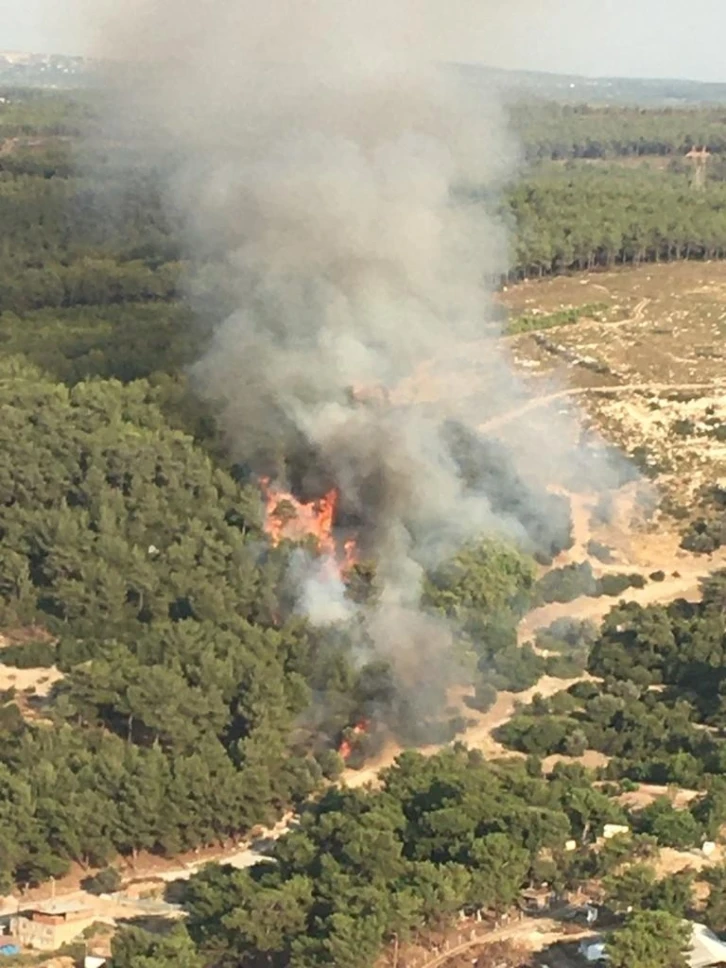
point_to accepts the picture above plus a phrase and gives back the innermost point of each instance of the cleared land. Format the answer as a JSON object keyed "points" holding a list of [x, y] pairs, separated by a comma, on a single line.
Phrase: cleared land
{"points": [[654, 376]]}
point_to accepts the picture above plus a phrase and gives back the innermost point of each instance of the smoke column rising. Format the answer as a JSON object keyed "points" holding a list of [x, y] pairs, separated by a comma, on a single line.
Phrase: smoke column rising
{"points": [[321, 160]]}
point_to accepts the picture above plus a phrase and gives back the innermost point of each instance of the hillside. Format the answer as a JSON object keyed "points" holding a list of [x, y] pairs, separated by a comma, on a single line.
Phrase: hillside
{"points": [[205, 652]]}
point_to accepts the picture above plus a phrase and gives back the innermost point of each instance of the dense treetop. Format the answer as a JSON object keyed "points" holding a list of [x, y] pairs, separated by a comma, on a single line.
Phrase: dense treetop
{"points": [[444, 834], [560, 131]]}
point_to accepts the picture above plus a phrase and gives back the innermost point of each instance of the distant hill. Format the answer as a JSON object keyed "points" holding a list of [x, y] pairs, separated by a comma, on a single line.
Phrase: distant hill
{"points": [[19, 69], [63, 71], [601, 90]]}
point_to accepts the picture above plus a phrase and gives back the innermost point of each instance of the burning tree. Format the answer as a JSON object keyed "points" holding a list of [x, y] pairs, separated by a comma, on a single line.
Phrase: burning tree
{"points": [[289, 519]]}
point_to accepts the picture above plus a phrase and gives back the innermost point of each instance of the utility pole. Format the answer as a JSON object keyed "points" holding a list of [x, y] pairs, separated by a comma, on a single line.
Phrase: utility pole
{"points": [[395, 950]]}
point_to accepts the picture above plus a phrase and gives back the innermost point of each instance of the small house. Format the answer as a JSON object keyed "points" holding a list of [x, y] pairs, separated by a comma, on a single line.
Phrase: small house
{"points": [[536, 899], [49, 926], [706, 951]]}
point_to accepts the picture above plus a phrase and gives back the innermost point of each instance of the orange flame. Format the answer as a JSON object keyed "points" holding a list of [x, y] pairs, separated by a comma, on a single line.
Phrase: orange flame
{"points": [[350, 555], [287, 518], [346, 746]]}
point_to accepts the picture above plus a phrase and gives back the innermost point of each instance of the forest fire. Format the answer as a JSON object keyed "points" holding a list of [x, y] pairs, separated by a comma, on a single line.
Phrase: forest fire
{"points": [[347, 744], [287, 518]]}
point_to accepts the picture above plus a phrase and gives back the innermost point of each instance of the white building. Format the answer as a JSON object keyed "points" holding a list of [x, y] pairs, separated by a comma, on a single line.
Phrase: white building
{"points": [[707, 951]]}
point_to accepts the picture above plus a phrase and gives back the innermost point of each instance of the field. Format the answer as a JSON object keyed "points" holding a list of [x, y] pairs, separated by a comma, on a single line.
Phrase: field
{"points": [[648, 375], [654, 377]]}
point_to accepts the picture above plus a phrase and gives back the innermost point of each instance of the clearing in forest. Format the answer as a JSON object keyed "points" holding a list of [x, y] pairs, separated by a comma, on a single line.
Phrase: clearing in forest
{"points": [[652, 375]]}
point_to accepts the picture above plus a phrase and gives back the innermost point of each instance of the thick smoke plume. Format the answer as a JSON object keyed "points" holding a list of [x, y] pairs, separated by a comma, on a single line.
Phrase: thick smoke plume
{"points": [[330, 172]]}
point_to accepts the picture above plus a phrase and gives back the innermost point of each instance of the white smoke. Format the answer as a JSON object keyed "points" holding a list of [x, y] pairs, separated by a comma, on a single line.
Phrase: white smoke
{"points": [[323, 161]]}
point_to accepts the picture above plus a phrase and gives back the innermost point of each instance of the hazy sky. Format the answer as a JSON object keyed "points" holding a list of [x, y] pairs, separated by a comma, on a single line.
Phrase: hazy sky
{"points": [[655, 38]]}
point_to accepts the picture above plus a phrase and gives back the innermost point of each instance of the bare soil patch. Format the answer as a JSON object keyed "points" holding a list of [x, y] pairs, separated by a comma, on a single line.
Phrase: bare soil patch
{"points": [[480, 736], [669, 338]]}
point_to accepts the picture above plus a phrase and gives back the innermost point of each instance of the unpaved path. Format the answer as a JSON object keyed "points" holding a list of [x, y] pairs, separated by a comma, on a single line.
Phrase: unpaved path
{"points": [[637, 317], [585, 323], [479, 736], [535, 934], [536, 402], [595, 609], [125, 904], [686, 585]]}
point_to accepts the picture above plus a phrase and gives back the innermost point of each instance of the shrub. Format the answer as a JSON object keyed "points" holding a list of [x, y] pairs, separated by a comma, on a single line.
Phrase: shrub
{"points": [[671, 827], [566, 666], [614, 585], [106, 881], [331, 764], [566, 584], [566, 635], [599, 551], [484, 697], [30, 655], [575, 744], [684, 427]]}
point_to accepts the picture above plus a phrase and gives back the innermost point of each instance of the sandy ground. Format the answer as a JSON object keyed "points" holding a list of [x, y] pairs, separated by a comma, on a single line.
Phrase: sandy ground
{"points": [[38, 681], [529, 935], [595, 609], [479, 736]]}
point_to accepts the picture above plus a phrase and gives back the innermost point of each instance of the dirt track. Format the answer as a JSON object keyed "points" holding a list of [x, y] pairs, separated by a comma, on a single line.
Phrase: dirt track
{"points": [[479, 736], [537, 402], [535, 934], [595, 609]]}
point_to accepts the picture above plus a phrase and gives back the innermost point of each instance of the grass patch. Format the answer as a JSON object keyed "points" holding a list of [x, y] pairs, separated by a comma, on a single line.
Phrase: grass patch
{"points": [[532, 322]]}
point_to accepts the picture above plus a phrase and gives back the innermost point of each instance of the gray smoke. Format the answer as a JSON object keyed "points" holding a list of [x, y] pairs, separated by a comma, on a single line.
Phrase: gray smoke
{"points": [[323, 163]]}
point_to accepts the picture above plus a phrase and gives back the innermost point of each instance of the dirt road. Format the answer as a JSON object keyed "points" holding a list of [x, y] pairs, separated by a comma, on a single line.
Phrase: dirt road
{"points": [[479, 736], [536, 403], [595, 609], [535, 934], [123, 904]]}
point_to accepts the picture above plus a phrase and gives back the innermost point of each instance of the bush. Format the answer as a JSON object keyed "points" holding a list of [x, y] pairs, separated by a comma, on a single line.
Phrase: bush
{"points": [[331, 764], [532, 322], [517, 669], [671, 827], [705, 536], [566, 635], [566, 666], [566, 584], [576, 743], [599, 551], [106, 881], [585, 691], [614, 585], [541, 736], [684, 428], [29, 655], [484, 697]]}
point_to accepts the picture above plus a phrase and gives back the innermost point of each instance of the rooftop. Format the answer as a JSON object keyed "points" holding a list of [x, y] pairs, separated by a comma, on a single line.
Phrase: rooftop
{"points": [[706, 948], [59, 907]]}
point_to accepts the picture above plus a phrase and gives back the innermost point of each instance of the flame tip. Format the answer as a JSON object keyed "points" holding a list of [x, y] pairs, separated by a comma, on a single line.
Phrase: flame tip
{"points": [[314, 518]]}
